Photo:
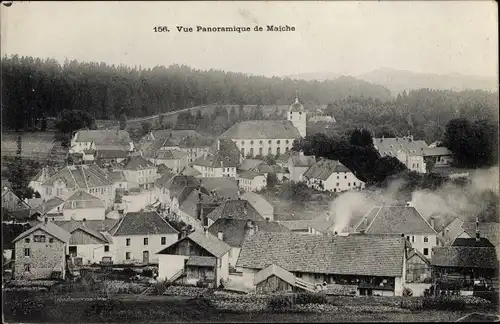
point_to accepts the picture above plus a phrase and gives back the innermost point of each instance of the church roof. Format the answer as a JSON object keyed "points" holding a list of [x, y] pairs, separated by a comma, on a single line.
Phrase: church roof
{"points": [[262, 129], [296, 106]]}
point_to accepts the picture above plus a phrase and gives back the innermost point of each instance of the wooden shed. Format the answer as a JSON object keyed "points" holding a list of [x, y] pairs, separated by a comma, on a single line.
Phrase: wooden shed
{"points": [[272, 279]]}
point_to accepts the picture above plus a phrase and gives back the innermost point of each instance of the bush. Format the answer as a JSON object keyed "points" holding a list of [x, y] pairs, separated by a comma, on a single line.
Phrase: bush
{"points": [[278, 302], [160, 287], [444, 303], [310, 298]]}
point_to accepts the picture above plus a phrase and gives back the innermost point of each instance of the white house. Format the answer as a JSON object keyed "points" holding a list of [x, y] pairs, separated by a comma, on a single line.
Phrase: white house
{"points": [[82, 205], [176, 160], [264, 137], [330, 175], [441, 155], [43, 175], [198, 256], [217, 165], [139, 172], [138, 236], [298, 164], [89, 139], [400, 220], [252, 181], [410, 152]]}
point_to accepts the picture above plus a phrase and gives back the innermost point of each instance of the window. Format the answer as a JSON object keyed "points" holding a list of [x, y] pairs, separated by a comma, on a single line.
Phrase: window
{"points": [[106, 248], [40, 238], [337, 184], [354, 184], [251, 142], [348, 184], [278, 141], [408, 238], [269, 142], [163, 240], [317, 276], [127, 242], [27, 267], [338, 177], [27, 240], [127, 255], [26, 252], [345, 177], [51, 240], [413, 239], [298, 275], [145, 241], [426, 239], [417, 165], [426, 251], [260, 142]]}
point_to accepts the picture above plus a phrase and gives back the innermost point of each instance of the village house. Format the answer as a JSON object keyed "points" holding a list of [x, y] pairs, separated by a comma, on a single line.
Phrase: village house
{"points": [[233, 231], [171, 186], [252, 181], [410, 152], [315, 227], [264, 137], [223, 187], [139, 172], [274, 279], [43, 175], [138, 236], [437, 156], [86, 245], [375, 264], [184, 207], [298, 165], [283, 159], [330, 175], [52, 208], [236, 209], [226, 147], [160, 188], [82, 205], [322, 119], [72, 178], [400, 220], [174, 159], [217, 164], [119, 181], [91, 139], [280, 172], [190, 171], [261, 205], [418, 267], [198, 257], [111, 153], [16, 207], [40, 252], [254, 165], [459, 229]]}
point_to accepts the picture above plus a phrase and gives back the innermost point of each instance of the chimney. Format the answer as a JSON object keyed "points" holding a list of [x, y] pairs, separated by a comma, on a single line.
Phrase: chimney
{"points": [[478, 234], [46, 220], [84, 223], [397, 139], [221, 165], [409, 204], [328, 216], [205, 230], [249, 228], [432, 222], [267, 219], [218, 144], [220, 235]]}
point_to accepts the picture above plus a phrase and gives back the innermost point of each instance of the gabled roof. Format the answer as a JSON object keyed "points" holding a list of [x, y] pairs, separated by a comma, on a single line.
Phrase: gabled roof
{"points": [[162, 168], [113, 153], [207, 241], [369, 255], [142, 223], [472, 242], [165, 179], [451, 231], [177, 183], [44, 174], [465, 257], [83, 200], [195, 142], [170, 155], [226, 147], [49, 205], [224, 187], [100, 226], [324, 169], [491, 231], [72, 226], [189, 171], [258, 202], [237, 209], [50, 228], [274, 270], [302, 160], [321, 225], [250, 164], [105, 137], [81, 176], [262, 129], [234, 229], [390, 146], [250, 175], [117, 176], [417, 253], [189, 203], [398, 220], [217, 160], [137, 162]]}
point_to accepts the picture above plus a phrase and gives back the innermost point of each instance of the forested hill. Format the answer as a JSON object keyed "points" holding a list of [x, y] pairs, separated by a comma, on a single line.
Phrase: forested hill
{"points": [[34, 88]]}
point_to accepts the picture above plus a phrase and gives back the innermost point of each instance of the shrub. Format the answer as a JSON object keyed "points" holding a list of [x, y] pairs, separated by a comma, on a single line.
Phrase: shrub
{"points": [[278, 302], [160, 287], [407, 292], [310, 298], [444, 303]]}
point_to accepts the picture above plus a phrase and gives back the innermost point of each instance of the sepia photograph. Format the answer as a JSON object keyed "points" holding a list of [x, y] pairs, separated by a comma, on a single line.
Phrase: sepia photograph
{"points": [[249, 161]]}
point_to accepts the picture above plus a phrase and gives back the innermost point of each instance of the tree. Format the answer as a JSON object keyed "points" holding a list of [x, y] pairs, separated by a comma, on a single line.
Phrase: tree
{"points": [[43, 125], [146, 127], [272, 180], [123, 121], [387, 166]]}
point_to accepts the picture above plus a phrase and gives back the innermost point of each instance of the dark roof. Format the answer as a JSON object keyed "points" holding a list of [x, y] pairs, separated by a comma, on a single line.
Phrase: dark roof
{"points": [[194, 142], [142, 223], [226, 147], [398, 220], [81, 176], [465, 257], [207, 241], [324, 169], [117, 176], [137, 162], [71, 226], [491, 231], [249, 175], [170, 154], [189, 204], [370, 255], [176, 184], [302, 160], [165, 179], [274, 270], [262, 129], [234, 229], [201, 261], [162, 168], [472, 242], [217, 160], [237, 209], [250, 164], [436, 151], [96, 225]]}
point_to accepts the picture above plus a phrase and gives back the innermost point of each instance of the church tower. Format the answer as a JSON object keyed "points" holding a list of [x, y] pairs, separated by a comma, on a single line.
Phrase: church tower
{"points": [[298, 116]]}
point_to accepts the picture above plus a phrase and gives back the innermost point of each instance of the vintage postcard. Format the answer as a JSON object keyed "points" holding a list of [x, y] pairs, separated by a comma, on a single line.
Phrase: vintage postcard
{"points": [[243, 161]]}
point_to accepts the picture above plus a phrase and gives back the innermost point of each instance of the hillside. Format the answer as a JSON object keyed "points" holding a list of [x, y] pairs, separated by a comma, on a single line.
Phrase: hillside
{"points": [[398, 81]]}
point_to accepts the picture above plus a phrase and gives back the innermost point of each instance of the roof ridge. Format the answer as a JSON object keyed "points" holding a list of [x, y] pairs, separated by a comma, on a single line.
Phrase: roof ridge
{"points": [[84, 179], [434, 230], [376, 215], [72, 176]]}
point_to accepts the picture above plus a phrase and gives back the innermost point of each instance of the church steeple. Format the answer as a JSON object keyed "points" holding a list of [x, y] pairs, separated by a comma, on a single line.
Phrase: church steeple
{"points": [[297, 115]]}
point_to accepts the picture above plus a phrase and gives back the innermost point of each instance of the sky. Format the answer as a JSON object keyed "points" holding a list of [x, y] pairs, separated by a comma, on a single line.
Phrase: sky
{"points": [[336, 37]]}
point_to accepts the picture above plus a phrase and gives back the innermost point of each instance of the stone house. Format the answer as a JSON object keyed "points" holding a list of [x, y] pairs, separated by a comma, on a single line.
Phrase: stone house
{"points": [[330, 175]]}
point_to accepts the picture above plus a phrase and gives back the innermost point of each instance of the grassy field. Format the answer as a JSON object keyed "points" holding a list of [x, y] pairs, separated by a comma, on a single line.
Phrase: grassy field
{"points": [[148, 309], [33, 145]]}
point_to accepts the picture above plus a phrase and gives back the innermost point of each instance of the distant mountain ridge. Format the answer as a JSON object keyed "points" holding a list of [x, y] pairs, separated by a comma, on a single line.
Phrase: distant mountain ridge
{"points": [[399, 80]]}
